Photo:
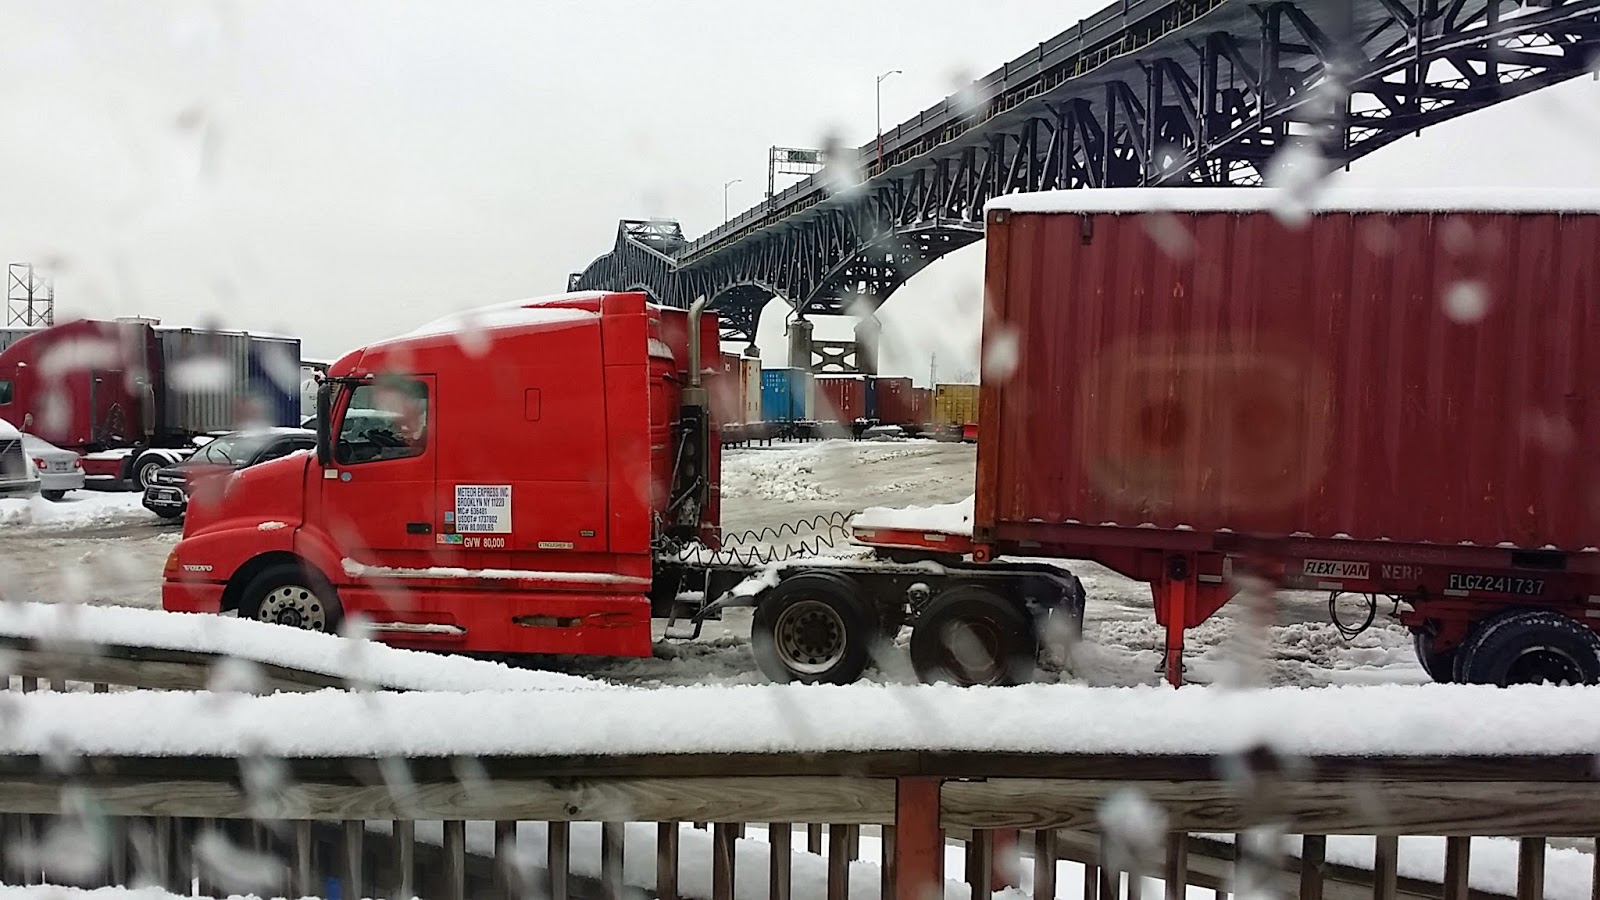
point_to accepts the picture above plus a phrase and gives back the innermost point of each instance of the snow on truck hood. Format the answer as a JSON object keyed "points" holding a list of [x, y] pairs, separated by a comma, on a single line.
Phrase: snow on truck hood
{"points": [[1333, 200]]}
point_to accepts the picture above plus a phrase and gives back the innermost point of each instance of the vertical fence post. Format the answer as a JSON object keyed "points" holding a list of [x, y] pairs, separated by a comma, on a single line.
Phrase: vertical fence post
{"points": [[779, 874], [667, 860], [918, 842]]}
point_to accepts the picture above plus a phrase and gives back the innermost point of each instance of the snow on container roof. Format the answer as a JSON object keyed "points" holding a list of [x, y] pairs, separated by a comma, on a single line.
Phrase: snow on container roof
{"points": [[1331, 200]]}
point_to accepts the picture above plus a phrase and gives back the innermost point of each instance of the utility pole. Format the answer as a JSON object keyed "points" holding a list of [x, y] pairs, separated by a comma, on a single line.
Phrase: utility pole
{"points": [[725, 186], [879, 93], [933, 369]]}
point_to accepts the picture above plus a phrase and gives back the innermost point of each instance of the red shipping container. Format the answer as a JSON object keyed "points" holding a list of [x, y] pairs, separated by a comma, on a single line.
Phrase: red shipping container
{"points": [[921, 406], [1400, 368], [896, 402], [841, 398]]}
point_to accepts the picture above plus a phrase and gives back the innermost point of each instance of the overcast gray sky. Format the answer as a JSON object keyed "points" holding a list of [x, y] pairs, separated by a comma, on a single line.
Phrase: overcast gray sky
{"points": [[345, 171]]}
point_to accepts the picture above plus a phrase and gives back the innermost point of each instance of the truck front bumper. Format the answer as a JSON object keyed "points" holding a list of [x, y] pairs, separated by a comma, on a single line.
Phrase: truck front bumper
{"points": [[191, 596]]}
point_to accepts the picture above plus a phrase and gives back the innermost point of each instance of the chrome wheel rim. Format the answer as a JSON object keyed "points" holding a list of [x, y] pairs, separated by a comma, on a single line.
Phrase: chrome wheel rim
{"points": [[810, 637], [296, 606]]}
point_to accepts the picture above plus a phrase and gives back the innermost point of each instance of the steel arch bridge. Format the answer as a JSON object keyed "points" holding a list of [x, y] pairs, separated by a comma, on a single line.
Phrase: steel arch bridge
{"points": [[1143, 93]]}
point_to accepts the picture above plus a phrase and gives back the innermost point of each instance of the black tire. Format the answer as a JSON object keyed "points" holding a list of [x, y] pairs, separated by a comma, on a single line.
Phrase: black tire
{"points": [[1441, 665], [144, 468], [1534, 646], [292, 595], [813, 628], [54, 496], [969, 635], [168, 514]]}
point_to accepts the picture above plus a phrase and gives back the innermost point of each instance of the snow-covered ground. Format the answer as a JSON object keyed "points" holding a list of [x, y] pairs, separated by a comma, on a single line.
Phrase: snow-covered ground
{"points": [[106, 549], [78, 509]]}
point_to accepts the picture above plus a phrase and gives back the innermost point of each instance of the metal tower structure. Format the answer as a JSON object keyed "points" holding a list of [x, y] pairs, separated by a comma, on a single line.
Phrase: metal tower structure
{"points": [[30, 298], [1142, 93]]}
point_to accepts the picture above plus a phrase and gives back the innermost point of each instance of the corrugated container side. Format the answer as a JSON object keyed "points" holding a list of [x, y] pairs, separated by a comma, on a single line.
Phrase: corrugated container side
{"points": [[896, 401], [840, 398], [727, 401], [207, 378], [1411, 377], [9, 336], [274, 378], [805, 388], [775, 395], [955, 404], [921, 406], [751, 392]]}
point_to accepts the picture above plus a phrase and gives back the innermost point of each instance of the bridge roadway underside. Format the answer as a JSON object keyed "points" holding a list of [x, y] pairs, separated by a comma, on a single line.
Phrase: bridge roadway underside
{"points": [[1143, 93]]}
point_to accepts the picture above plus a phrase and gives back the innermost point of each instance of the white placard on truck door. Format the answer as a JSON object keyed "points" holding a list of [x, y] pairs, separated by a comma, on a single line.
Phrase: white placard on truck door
{"points": [[483, 509]]}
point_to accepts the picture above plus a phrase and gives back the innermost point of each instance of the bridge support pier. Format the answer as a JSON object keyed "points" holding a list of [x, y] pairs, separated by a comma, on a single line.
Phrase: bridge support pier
{"points": [[800, 344], [868, 331]]}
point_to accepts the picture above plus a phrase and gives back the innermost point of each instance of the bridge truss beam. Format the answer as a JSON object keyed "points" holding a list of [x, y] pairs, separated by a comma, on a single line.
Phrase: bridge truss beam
{"points": [[1216, 90]]}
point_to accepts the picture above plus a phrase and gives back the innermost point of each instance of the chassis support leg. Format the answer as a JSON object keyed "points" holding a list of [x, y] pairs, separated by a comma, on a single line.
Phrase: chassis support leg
{"points": [[1174, 595]]}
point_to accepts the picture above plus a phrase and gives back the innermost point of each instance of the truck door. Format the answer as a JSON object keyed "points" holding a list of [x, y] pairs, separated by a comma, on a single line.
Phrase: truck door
{"points": [[113, 416], [378, 495]]}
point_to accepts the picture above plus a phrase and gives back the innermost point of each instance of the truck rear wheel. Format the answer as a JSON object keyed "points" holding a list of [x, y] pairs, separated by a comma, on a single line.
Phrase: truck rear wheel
{"points": [[971, 635], [292, 595], [1534, 646], [1440, 665], [813, 628]]}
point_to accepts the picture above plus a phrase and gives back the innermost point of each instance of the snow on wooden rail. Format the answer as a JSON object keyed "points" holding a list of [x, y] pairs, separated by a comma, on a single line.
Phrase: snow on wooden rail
{"points": [[84, 643], [1414, 720]]}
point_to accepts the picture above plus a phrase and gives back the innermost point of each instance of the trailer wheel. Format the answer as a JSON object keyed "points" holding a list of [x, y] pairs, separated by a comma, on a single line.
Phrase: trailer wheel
{"points": [[970, 635], [1533, 646], [287, 594], [1440, 666], [815, 629]]}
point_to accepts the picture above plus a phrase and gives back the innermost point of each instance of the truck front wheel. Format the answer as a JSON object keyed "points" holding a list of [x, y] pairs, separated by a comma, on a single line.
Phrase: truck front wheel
{"points": [[1533, 646], [294, 596], [971, 635], [813, 628]]}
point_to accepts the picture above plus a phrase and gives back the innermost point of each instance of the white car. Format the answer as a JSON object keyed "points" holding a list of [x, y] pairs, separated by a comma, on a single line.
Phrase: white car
{"points": [[18, 478], [59, 470]]}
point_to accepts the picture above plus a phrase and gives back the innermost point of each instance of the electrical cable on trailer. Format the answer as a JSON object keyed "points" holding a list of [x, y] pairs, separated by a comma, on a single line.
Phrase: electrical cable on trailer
{"points": [[1349, 632], [825, 532]]}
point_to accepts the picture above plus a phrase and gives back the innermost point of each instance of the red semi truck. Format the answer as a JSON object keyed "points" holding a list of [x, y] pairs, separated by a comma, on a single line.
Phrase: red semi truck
{"points": [[1399, 398], [549, 487], [132, 394]]}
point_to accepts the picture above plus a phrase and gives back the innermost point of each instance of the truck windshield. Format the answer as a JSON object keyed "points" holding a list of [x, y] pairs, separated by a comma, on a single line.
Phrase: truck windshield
{"points": [[387, 420]]}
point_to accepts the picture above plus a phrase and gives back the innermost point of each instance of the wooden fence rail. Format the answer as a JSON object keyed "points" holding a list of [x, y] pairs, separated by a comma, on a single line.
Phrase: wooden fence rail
{"points": [[558, 827]]}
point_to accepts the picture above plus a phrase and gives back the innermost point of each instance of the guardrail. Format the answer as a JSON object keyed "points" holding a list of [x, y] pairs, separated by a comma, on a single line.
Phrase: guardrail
{"points": [[33, 665], [555, 826]]}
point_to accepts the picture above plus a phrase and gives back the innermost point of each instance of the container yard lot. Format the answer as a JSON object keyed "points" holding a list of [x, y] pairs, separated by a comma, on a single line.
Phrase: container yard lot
{"points": [[104, 549]]}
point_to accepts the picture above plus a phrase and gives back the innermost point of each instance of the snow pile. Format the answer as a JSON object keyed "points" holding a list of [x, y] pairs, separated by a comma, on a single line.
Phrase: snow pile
{"points": [[242, 639], [948, 518], [79, 509], [1068, 719], [787, 477]]}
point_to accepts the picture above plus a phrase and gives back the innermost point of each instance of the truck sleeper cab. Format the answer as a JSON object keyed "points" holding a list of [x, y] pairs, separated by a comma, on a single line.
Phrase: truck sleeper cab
{"points": [[493, 482], [542, 478]]}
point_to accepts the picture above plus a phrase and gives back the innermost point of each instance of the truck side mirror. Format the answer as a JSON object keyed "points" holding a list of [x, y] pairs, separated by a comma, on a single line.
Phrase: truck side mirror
{"points": [[324, 429]]}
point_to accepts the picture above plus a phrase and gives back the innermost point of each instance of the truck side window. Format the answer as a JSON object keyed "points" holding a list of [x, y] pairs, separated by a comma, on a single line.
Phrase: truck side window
{"points": [[384, 420], [5, 392]]}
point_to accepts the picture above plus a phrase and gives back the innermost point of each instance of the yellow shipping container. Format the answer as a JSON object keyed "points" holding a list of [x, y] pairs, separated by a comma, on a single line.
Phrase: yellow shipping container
{"points": [[955, 404]]}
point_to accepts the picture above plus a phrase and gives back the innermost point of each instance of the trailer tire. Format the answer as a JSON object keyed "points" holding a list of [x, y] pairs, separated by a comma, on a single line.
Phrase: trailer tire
{"points": [[970, 635], [813, 628], [1441, 665], [292, 595], [1532, 646]]}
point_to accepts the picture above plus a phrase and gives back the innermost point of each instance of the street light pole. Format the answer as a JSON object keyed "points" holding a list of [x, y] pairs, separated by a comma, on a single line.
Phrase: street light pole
{"points": [[879, 93], [725, 187]]}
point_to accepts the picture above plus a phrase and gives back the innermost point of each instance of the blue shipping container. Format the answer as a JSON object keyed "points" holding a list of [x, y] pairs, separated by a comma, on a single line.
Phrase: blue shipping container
{"points": [[872, 398], [783, 394], [274, 377]]}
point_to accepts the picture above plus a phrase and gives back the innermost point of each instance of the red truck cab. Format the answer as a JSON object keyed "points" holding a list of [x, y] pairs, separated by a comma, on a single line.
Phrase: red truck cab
{"points": [[494, 482]]}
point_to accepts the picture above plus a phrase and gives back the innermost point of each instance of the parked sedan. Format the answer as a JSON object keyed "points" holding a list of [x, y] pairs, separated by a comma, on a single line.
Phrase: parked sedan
{"points": [[60, 470], [172, 486], [18, 477]]}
